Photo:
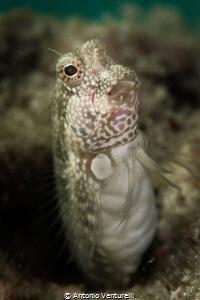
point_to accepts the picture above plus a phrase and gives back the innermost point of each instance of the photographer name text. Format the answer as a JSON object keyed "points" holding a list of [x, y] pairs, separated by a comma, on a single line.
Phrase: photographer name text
{"points": [[99, 296]]}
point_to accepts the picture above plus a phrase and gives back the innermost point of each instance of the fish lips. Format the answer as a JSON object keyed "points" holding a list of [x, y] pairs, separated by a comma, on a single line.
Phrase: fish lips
{"points": [[124, 92]]}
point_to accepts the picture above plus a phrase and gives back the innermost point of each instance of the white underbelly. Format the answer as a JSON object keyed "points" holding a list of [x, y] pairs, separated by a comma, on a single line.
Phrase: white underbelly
{"points": [[128, 214]]}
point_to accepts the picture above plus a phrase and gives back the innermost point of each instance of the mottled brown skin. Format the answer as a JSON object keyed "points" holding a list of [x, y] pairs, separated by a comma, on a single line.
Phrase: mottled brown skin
{"points": [[95, 135]]}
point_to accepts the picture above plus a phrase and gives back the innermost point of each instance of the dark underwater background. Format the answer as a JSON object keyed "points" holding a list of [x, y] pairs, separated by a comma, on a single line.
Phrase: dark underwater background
{"points": [[190, 10], [160, 41]]}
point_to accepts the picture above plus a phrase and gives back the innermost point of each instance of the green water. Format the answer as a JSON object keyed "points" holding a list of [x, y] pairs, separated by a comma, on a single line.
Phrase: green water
{"points": [[190, 9]]}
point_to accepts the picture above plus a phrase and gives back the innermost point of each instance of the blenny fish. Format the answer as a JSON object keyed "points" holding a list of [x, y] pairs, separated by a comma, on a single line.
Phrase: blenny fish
{"points": [[101, 162]]}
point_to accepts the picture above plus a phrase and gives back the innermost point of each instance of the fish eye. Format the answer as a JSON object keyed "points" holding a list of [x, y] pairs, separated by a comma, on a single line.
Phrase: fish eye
{"points": [[70, 70]]}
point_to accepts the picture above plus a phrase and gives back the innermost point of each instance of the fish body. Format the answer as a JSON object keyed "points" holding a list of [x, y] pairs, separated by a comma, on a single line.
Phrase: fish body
{"points": [[104, 191]]}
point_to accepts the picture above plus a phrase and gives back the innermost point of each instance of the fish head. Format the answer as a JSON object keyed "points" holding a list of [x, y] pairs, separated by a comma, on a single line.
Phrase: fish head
{"points": [[97, 97]]}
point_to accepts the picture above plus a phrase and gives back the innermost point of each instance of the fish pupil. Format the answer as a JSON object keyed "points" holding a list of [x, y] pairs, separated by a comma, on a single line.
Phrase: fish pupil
{"points": [[70, 70]]}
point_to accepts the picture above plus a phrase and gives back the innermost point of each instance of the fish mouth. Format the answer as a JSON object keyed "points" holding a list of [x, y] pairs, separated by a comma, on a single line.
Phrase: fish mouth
{"points": [[125, 90]]}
